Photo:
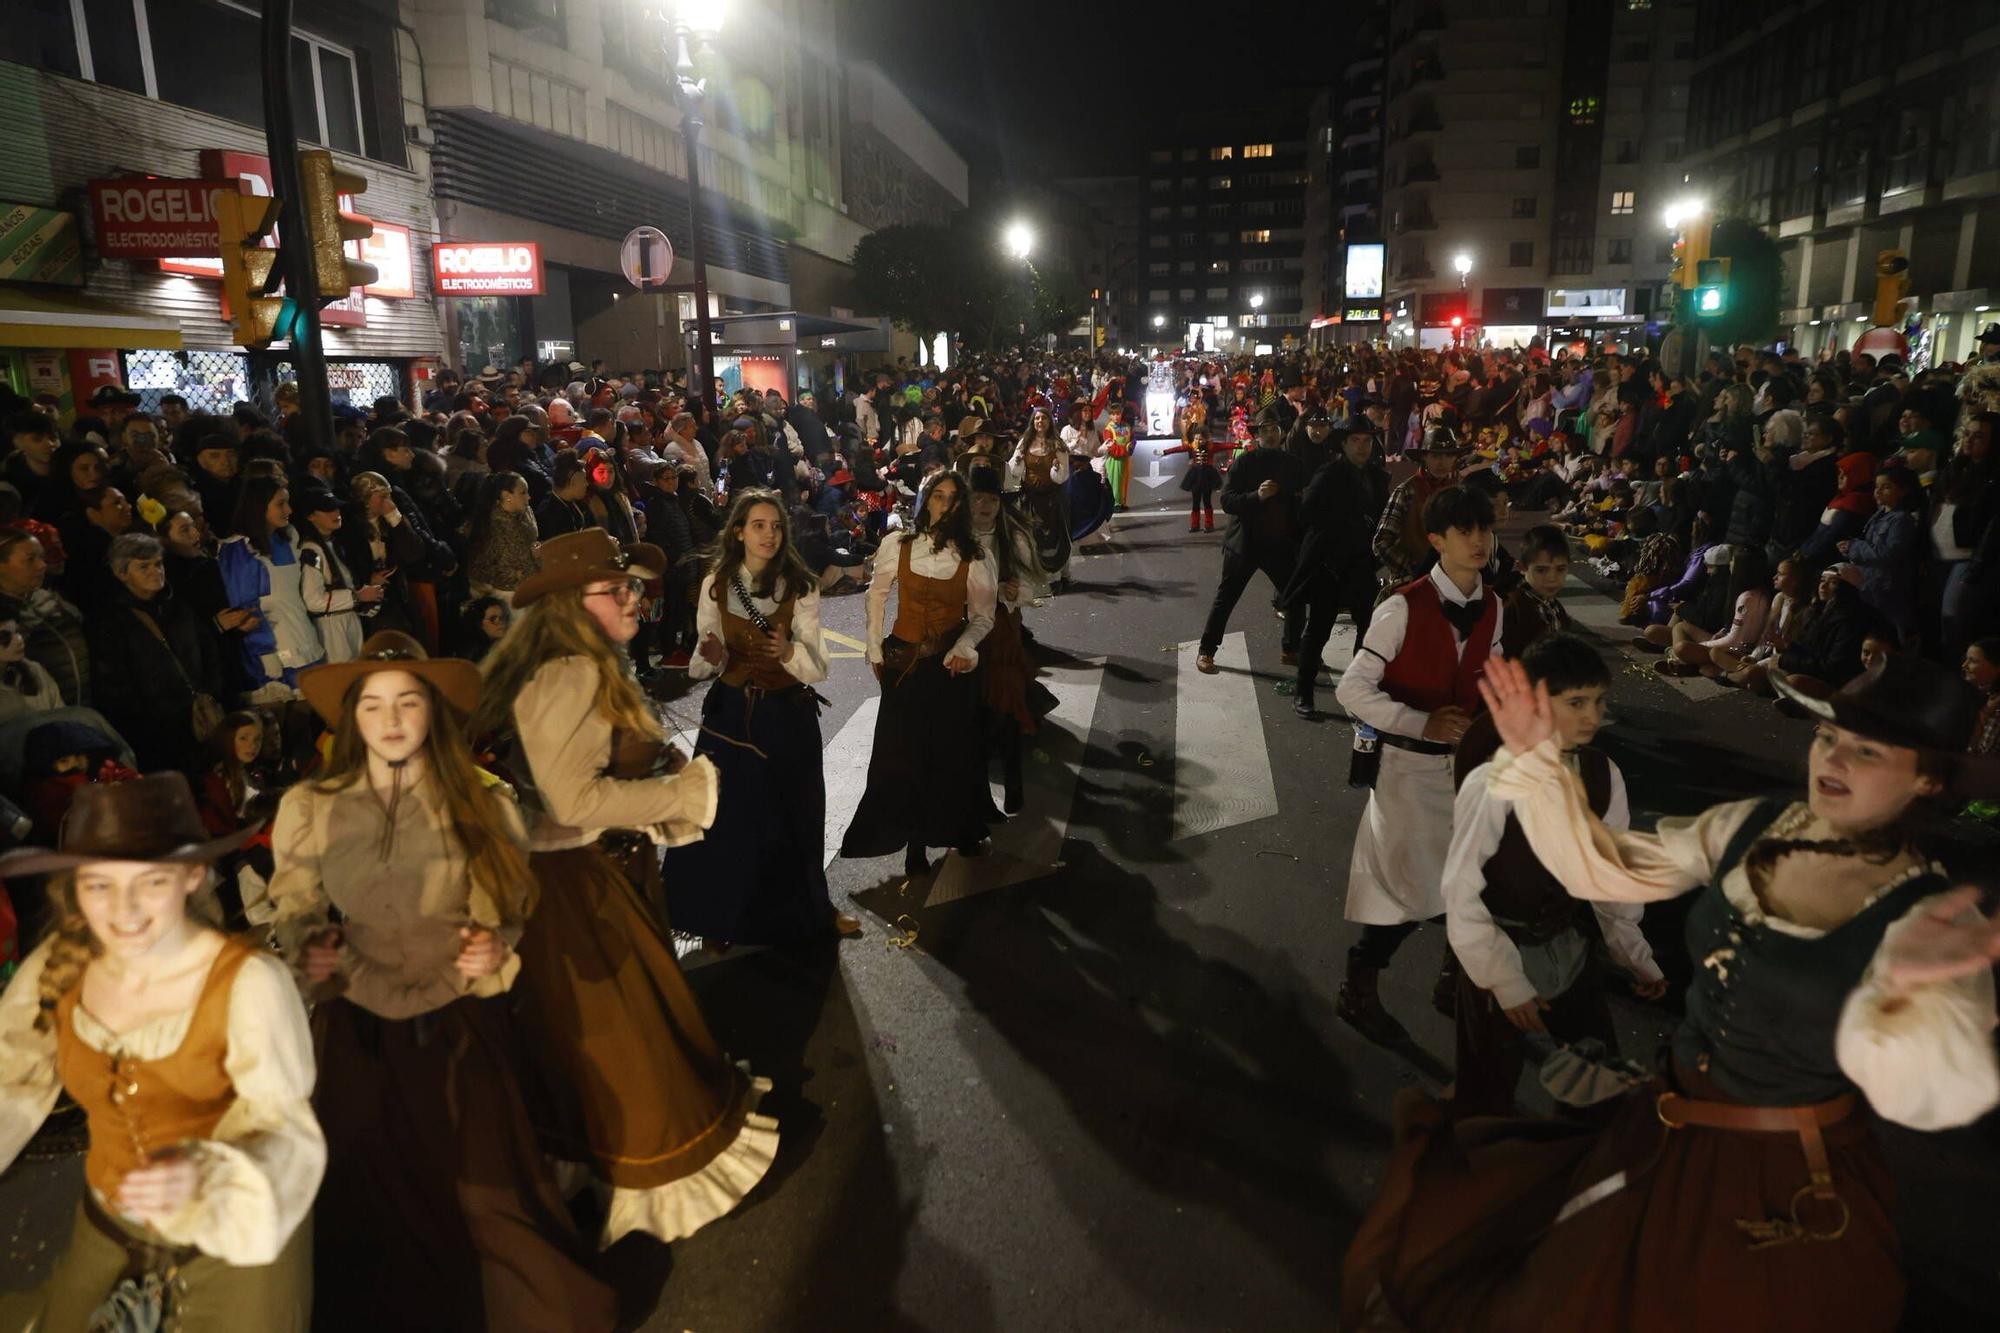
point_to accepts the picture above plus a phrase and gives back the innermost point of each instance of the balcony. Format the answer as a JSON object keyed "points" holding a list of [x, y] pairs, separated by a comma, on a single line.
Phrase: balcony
{"points": [[1409, 222], [1415, 270], [1427, 69], [1423, 169]]}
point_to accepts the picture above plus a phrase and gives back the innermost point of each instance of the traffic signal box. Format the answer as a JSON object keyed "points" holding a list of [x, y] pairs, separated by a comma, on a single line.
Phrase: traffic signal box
{"points": [[1710, 293], [242, 222], [323, 183], [1892, 279]]}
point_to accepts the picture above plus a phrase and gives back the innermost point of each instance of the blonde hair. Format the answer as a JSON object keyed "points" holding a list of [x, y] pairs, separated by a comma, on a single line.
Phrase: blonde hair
{"points": [[72, 947], [493, 859], [555, 626]]}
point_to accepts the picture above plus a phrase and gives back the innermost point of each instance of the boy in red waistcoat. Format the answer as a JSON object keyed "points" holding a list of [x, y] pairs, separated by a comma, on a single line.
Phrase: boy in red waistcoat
{"points": [[1522, 942], [1415, 680]]}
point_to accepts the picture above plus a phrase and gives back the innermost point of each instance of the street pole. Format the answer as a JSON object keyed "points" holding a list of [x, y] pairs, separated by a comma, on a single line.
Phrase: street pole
{"points": [[295, 259], [691, 89]]}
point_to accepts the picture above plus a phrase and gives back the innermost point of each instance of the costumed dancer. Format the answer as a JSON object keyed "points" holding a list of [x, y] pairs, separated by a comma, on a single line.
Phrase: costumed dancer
{"points": [[1742, 1188], [759, 876], [1039, 470], [1262, 500], [1336, 567], [1202, 478], [1414, 680], [1090, 500], [645, 1094], [1524, 948], [926, 787], [1117, 438], [1401, 543], [1012, 700], [188, 1051], [439, 1191]]}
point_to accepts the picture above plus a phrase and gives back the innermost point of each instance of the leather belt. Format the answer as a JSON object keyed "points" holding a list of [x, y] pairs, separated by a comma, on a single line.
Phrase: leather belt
{"points": [[1414, 746], [1678, 1112]]}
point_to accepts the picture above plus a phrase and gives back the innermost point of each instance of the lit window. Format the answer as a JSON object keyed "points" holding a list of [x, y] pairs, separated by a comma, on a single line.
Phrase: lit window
{"points": [[1256, 150], [1623, 202], [1583, 111], [1223, 154], [1221, 183], [1259, 237]]}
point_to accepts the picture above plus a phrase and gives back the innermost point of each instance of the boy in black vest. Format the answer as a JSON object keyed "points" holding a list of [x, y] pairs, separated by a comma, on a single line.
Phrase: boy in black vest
{"points": [[1523, 944]]}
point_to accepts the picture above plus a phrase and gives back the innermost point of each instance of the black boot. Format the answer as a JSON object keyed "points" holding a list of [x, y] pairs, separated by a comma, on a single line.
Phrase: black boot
{"points": [[1302, 702], [915, 860], [1444, 994], [1360, 1006]]}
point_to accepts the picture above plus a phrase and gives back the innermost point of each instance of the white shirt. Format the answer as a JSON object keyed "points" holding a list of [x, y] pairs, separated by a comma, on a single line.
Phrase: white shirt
{"points": [[1489, 957], [1017, 468], [807, 662], [1944, 542], [1026, 587], [982, 587], [1360, 690], [690, 452]]}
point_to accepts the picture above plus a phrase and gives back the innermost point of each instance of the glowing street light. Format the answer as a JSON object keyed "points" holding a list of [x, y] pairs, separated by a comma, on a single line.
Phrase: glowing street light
{"points": [[1684, 210], [1159, 321], [1463, 263], [1020, 239], [1256, 300]]}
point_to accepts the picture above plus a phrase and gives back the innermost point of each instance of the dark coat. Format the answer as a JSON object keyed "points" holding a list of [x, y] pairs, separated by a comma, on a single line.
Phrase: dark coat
{"points": [[1830, 647], [1263, 526], [146, 687]]}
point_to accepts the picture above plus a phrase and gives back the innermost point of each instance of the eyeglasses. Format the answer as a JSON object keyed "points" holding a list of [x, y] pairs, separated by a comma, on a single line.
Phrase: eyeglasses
{"points": [[624, 594]]}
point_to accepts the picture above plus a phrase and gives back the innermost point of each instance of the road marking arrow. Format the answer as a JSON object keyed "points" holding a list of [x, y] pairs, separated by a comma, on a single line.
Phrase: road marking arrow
{"points": [[853, 647], [1155, 478]]}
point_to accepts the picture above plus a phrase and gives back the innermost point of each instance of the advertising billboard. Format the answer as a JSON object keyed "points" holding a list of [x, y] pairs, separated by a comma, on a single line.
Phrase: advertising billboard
{"points": [[1364, 272]]}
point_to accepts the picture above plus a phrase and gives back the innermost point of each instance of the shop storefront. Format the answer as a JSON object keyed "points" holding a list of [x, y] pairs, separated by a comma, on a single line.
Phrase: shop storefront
{"points": [[791, 352], [488, 289]]}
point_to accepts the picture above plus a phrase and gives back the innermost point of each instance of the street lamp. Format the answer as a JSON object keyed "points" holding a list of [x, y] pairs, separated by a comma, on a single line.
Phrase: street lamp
{"points": [[1683, 210], [1463, 263], [1020, 239], [1159, 321], [701, 21]]}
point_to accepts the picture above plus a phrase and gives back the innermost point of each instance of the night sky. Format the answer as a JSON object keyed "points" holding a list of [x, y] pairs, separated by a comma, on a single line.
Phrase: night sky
{"points": [[1038, 88]]}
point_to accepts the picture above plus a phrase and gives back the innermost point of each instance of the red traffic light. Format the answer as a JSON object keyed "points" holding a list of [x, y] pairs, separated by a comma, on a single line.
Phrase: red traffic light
{"points": [[1458, 321]]}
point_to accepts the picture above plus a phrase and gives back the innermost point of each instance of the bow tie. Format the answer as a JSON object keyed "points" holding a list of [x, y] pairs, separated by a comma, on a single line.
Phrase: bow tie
{"points": [[1464, 618]]}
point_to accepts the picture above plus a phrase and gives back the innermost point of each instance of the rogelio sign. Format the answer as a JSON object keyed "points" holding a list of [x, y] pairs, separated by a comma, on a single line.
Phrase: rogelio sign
{"points": [[504, 268], [151, 217]]}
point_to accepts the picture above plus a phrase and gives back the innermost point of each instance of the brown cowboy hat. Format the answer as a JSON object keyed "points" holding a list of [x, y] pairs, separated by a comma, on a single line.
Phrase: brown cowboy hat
{"points": [[588, 556], [972, 426], [152, 818], [325, 687], [1912, 702]]}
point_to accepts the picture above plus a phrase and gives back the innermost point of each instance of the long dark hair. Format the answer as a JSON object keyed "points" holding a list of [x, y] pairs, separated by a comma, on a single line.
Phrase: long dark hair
{"points": [[1749, 571], [788, 564], [956, 530], [485, 503], [249, 521]]}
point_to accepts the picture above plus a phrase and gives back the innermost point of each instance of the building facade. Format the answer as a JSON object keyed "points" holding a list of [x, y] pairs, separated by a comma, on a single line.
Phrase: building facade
{"points": [[1846, 129], [171, 89], [1534, 145], [1345, 183], [1223, 259]]}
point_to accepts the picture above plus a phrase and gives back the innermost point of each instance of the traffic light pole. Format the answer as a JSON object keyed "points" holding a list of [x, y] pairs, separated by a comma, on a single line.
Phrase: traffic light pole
{"points": [[295, 255]]}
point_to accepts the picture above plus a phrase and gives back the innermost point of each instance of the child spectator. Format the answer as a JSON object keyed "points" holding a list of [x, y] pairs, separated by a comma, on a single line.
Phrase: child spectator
{"points": [[1781, 625], [1750, 604], [1886, 551]]}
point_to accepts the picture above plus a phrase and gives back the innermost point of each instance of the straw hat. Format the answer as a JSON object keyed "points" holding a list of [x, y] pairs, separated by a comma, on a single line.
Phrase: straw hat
{"points": [[325, 687], [587, 556]]}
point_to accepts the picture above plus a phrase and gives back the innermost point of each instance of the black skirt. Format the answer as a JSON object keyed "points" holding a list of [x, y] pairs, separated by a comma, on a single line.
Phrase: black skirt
{"points": [[1201, 477], [439, 1211], [926, 774], [758, 876]]}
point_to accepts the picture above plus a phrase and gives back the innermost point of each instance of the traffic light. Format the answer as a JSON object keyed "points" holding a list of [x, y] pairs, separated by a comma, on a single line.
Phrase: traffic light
{"points": [[1691, 249], [1892, 278], [1710, 295], [322, 184], [242, 221]]}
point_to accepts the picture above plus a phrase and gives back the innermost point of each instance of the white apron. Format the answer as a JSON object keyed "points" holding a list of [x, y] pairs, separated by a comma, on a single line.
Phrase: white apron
{"points": [[1397, 873]]}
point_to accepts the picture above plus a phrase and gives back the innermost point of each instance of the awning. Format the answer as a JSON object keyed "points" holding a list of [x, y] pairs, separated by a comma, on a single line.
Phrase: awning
{"points": [[31, 319]]}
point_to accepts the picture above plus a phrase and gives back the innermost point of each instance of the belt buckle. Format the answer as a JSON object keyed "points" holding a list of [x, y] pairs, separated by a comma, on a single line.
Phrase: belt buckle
{"points": [[1660, 1110]]}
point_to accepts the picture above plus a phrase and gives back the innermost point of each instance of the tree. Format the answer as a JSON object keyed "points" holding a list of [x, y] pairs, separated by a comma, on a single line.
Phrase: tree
{"points": [[906, 273], [1755, 271], [956, 278]]}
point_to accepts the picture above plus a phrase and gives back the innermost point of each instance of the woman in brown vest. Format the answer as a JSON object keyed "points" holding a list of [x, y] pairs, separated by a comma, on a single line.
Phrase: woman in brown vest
{"points": [[759, 877], [634, 1084], [438, 1190], [926, 778], [188, 1051]]}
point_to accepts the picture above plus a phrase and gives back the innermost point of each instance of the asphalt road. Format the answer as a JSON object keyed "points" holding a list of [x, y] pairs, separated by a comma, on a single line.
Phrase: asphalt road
{"points": [[1097, 1082]]}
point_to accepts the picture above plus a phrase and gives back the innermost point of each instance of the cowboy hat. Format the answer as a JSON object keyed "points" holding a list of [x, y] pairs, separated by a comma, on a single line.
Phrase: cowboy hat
{"points": [[972, 426], [1912, 702], [588, 556], [325, 686], [1441, 440], [150, 819], [489, 373]]}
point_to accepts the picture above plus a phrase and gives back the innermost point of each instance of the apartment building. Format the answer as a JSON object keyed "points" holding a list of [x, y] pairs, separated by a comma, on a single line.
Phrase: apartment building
{"points": [[1344, 188]]}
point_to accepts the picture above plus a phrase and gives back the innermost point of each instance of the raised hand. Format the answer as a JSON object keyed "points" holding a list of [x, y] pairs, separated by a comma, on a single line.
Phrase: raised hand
{"points": [[1950, 939], [1520, 708]]}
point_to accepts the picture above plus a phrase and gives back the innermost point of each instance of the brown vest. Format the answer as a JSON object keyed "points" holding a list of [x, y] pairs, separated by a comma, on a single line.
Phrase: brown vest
{"points": [[927, 609], [1525, 899], [739, 633], [141, 1107], [1038, 467]]}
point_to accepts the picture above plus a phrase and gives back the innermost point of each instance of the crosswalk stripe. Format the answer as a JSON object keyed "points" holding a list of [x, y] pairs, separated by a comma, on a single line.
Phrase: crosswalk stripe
{"points": [[846, 769], [1222, 767], [1028, 845]]}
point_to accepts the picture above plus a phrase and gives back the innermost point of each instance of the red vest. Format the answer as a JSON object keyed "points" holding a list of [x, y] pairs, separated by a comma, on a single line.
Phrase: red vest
{"points": [[1430, 670]]}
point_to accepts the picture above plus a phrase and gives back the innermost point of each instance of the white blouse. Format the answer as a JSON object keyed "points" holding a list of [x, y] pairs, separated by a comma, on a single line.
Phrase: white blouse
{"points": [[982, 587], [1924, 1057], [807, 662], [259, 1172]]}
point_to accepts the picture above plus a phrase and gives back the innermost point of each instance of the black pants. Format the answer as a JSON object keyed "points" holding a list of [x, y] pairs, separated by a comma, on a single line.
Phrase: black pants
{"points": [[1236, 571], [1325, 598], [1201, 499], [1491, 1050], [1378, 944]]}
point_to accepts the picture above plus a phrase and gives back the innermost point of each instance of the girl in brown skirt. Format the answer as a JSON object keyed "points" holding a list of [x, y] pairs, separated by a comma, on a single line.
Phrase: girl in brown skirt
{"points": [[1742, 1189], [188, 1051], [1012, 702], [439, 1211], [638, 1088]]}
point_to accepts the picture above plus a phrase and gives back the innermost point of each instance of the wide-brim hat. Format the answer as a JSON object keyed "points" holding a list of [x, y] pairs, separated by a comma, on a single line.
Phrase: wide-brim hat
{"points": [[588, 556], [1990, 334], [489, 374], [152, 819], [1441, 440], [325, 687], [1913, 702], [972, 426]]}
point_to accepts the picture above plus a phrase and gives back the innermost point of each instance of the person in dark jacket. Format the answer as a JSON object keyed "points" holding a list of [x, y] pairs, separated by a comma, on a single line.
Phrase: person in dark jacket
{"points": [[567, 507], [1335, 570], [1261, 497], [152, 656], [382, 540], [811, 430], [1828, 654], [1748, 521]]}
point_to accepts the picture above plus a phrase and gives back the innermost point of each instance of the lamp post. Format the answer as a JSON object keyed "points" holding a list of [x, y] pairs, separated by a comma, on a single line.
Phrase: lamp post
{"points": [[1463, 263], [699, 21]]}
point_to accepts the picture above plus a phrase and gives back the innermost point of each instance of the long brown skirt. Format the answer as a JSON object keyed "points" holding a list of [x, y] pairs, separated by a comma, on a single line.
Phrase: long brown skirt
{"points": [[633, 1083], [439, 1211], [1466, 1234], [1004, 671]]}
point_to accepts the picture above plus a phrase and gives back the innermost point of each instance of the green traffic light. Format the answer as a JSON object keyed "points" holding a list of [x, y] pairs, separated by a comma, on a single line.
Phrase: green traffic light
{"points": [[1709, 300]]}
